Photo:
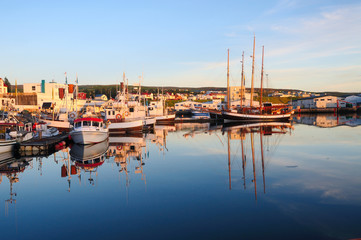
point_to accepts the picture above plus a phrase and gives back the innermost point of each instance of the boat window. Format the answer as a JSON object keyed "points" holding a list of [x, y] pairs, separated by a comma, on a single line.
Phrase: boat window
{"points": [[78, 124], [109, 112], [131, 109], [113, 112], [329, 99], [322, 99], [86, 123], [96, 124]]}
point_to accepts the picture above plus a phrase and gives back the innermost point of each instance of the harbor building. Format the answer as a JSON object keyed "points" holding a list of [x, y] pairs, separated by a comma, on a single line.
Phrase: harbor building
{"points": [[319, 102], [3, 87]]}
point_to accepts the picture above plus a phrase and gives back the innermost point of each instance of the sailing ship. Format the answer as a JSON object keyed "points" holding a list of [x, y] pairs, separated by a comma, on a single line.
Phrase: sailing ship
{"points": [[266, 112]]}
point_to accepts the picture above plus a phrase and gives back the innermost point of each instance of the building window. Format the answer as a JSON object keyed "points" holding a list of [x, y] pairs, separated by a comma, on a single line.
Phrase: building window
{"points": [[322, 99], [329, 99], [33, 88]]}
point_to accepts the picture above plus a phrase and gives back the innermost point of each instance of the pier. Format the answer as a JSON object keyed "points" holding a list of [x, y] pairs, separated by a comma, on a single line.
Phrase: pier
{"points": [[43, 146]]}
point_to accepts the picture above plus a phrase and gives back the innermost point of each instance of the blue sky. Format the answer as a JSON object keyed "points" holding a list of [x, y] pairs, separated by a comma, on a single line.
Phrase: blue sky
{"points": [[310, 45]]}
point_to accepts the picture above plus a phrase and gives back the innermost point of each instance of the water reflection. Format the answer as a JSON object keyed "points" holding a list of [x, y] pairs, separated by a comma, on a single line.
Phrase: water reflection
{"points": [[328, 120], [10, 167], [241, 133], [187, 178]]}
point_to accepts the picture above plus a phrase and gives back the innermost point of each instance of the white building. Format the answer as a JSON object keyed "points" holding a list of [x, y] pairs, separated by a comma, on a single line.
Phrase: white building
{"points": [[3, 87], [319, 102], [61, 95], [187, 105]]}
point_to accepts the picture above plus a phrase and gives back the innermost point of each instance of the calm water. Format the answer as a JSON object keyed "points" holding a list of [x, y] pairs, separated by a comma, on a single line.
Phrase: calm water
{"points": [[193, 182]]}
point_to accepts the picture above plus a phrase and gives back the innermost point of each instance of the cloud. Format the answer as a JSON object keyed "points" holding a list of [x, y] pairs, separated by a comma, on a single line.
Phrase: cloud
{"points": [[281, 6]]}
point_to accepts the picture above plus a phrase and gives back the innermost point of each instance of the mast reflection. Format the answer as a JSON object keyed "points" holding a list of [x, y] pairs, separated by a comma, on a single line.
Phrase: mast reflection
{"points": [[242, 132], [10, 167]]}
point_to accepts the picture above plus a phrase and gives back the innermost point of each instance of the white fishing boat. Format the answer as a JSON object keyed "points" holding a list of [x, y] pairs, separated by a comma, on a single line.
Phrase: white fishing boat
{"points": [[43, 129], [130, 126], [89, 130], [14, 134]]}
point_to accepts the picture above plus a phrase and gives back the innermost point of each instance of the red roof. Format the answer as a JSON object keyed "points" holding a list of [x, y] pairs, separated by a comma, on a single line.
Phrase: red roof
{"points": [[89, 119]]}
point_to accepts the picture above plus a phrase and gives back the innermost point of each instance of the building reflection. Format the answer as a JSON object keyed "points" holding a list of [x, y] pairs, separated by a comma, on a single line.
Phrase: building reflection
{"points": [[328, 120], [246, 136]]}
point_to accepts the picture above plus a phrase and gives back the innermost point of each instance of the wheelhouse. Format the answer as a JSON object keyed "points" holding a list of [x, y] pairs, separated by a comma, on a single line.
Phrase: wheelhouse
{"points": [[89, 122]]}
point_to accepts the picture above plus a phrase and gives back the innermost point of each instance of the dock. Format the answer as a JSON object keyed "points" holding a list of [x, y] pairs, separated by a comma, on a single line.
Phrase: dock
{"points": [[43, 146]]}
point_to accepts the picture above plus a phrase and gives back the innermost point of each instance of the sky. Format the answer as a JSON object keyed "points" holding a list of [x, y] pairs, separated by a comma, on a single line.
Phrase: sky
{"points": [[309, 45]]}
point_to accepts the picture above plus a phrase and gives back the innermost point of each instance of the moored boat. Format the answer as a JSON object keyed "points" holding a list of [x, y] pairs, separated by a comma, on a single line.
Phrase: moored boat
{"points": [[89, 130]]}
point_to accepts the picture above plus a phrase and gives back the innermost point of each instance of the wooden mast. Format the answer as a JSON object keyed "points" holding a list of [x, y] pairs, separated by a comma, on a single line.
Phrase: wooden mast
{"points": [[242, 77], [252, 89], [228, 92], [261, 92]]}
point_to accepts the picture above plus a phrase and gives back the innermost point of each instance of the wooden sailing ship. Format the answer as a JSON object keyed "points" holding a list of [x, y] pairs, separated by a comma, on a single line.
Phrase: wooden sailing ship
{"points": [[266, 112]]}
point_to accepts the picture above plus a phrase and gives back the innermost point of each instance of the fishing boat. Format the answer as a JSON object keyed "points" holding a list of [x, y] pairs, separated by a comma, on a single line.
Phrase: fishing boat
{"points": [[89, 130], [157, 110], [12, 134], [266, 112]]}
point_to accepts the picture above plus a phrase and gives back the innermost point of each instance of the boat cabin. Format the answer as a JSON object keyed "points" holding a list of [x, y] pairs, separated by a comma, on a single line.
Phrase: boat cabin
{"points": [[89, 122]]}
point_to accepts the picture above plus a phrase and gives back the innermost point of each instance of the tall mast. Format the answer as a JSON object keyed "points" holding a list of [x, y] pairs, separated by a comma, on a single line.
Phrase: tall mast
{"points": [[261, 92], [242, 77], [76, 94], [252, 89], [66, 93], [228, 93]]}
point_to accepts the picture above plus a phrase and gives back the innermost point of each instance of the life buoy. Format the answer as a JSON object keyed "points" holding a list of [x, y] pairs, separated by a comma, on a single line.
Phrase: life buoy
{"points": [[118, 116], [119, 147], [72, 115], [127, 114]]}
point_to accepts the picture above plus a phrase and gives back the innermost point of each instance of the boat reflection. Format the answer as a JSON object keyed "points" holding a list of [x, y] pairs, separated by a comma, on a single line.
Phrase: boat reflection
{"points": [[10, 168], [328, 120], [125, 149], [245, 134], [87, 159]]}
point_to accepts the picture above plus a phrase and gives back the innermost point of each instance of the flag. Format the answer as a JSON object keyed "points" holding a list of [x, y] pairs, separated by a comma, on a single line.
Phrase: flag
{"points": [[66, 79]]}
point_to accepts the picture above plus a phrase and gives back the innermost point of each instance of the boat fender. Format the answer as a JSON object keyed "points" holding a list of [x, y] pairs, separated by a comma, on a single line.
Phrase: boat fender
{"points": [[118, 116], [119, 147]]}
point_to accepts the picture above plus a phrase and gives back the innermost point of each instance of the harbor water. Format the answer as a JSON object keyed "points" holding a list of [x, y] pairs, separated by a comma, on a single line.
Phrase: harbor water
{"points": [[193, 181]]}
